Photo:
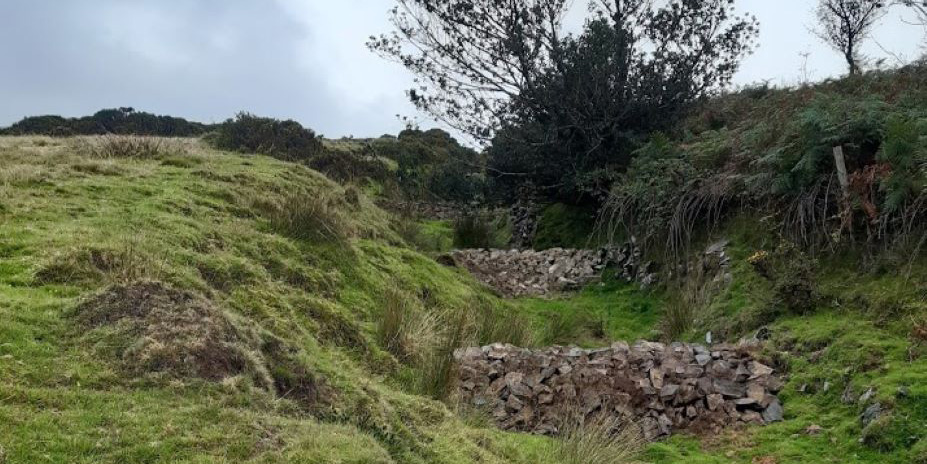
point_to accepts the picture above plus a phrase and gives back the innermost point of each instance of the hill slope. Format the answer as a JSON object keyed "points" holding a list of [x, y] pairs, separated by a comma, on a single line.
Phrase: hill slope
{"points": [[173, 303], [126, 282]]}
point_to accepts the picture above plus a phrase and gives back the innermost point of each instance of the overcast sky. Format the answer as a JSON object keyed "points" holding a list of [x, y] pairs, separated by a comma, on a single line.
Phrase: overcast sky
{"points": [[301, 59]]}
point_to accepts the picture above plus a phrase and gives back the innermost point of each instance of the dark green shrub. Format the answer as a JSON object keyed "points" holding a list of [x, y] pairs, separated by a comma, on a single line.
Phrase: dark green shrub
{"points": [[565, 226], [122, 121], [348, 166], [792, 275], [904, 150], [432, 165], [286, 140]]}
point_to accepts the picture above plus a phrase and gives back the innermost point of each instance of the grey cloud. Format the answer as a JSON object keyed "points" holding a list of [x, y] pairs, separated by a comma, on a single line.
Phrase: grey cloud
{"points": [[300, 59], [203, 60]]}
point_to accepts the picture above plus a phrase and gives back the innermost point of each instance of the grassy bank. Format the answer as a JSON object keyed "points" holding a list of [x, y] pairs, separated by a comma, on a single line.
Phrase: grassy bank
{"points": [[290, 260]]}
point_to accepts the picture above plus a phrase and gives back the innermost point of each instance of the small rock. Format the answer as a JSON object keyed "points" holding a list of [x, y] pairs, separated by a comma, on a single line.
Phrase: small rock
{"points": [[714, 401], [730, 389], [848, 397], [813, 429], [866, 396], [669, 390], [763, 334], [873, 412], [774, 412]]}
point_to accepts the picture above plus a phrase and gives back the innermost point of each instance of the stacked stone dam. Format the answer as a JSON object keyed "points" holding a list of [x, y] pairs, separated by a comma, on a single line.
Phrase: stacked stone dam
{"points": [[423, 209], [663, 388], [518, 273]]}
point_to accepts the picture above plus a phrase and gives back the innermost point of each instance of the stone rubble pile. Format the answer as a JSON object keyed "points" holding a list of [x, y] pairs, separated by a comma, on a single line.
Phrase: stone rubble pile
{"points": [[524, 219], [663, 388], [429, 210], [532, 273], [516, 273]]}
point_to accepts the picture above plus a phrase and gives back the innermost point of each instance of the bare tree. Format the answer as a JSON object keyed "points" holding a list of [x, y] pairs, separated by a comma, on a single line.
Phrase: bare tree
{"points": [[845, 24], [919, 7], [472, 56], [478, 61]]}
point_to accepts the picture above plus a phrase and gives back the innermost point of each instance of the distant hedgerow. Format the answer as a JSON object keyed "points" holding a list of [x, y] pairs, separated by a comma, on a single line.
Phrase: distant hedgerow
{"points": [[286, 140], [121, 121]]}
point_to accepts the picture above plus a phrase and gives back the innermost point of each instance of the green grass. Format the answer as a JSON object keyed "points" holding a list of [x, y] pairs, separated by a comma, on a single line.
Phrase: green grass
{"points": [[858, 335], [596, 316], [68, 230], [854, 352], [437, 235], [205, 221]]}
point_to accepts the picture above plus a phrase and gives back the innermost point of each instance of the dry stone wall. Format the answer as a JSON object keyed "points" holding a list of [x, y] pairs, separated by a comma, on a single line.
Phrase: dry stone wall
{"points": [[518, 273], [664, 388], [532, 273], [429, 210]]}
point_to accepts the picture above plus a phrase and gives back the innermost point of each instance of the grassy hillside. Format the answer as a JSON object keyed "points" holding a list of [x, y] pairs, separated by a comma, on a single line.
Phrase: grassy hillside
{"points": [[261, 257], [173, 303]]}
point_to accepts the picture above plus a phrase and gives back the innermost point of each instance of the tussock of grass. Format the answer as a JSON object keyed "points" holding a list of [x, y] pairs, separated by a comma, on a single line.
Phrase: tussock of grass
{"points": [[422, 334], [304, 217], [129, 146], [596, 439], [124, 262], [405, 329]]}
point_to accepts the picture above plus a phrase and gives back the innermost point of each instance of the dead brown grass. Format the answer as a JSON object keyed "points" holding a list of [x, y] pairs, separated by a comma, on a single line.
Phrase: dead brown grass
{"points": [[175, 333], [129, 146], [597, 438]]}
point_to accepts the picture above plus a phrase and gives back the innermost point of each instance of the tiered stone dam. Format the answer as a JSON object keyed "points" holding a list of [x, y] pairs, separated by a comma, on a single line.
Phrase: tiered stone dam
{"points": [[662, 387], [535, 273]]}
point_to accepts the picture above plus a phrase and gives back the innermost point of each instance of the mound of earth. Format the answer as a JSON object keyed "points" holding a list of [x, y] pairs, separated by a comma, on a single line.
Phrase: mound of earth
{"points": [[174, 332]]}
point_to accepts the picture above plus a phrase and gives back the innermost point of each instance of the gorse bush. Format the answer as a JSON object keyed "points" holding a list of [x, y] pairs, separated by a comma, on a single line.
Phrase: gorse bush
{"points": [[286, 140], [122, 121], [432, 165], [349, 166]]}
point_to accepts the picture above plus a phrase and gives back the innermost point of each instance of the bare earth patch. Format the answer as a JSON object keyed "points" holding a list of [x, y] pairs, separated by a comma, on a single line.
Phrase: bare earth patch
{"points": [[174, 332]]}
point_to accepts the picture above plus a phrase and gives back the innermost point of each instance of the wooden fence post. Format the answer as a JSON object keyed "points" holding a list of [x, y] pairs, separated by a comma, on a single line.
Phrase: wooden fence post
{"points": [[845, 212]]}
